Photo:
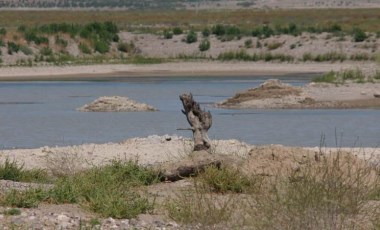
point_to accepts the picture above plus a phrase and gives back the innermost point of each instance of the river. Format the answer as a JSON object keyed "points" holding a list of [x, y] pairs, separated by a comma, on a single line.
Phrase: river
{"points": [[35, 114]]}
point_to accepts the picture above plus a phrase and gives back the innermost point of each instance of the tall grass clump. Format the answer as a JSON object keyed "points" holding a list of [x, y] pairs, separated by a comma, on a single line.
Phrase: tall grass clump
{"points": [[111, 191], [108, 191], [329, 77], [11, 170], [204, 45], [332, 194], [191, 37], [242, 55]]}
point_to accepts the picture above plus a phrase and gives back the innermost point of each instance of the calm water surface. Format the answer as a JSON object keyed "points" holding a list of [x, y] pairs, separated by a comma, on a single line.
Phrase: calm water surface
{"points": [[34, 114]]}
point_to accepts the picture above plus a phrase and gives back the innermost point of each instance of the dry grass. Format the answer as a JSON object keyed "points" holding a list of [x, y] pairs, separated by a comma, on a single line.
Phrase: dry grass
{"points": [[337, 191], [365, 19]]}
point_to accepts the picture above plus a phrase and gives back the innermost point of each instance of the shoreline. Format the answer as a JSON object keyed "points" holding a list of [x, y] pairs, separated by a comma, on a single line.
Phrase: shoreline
{"points": [[151, 150], [171, 69]]}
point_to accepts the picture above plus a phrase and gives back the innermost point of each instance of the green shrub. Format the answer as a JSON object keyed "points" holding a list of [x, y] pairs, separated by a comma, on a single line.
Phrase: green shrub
{"points": [[206, 32], [101, 46], [26, 50], [356, 75], [177, 31], [46, 51], [13, 48], [359, 35], [107, 190], [258, 44], [12, 212], [204, 45], [377, 77], [168, 34], [191, 37], [225, 180], [218, 30], [360, 57], [3, 31], [248, 43], [10, 170], [329, 77], [60, 41], [84, 48], [29, 198]]}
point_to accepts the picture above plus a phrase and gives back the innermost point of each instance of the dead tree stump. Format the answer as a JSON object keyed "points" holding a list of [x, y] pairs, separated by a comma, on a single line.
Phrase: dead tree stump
{"points": [[199, 120]]}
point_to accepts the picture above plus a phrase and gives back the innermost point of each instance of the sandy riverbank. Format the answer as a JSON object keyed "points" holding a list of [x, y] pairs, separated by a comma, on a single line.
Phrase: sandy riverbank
{"points": [[152, 150], [273, 94], [207, 68]]}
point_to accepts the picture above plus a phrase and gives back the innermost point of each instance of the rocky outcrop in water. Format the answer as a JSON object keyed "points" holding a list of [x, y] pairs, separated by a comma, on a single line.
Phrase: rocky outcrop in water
{"points": [[116, 104]]}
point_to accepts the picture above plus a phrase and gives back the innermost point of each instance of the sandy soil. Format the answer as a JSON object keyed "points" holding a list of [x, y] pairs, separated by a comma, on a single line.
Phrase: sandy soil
{"points": [[149, 151], [205, 68], [115, 104], [275, 95]]}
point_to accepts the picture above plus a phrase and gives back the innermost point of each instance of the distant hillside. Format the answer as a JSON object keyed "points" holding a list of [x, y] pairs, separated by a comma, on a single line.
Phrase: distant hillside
{"points": [[189, 4]]}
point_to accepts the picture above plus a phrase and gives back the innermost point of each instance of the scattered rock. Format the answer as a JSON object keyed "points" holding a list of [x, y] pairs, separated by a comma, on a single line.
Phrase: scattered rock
{"points": [[377, 95], [116, 104]]}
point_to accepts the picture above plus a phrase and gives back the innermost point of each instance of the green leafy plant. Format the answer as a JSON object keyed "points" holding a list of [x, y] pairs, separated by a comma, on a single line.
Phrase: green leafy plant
{"points": [[84, 48], [191, 37], [177, 31], [204, 45], [248, 43], [168, 34], [359, 35]]}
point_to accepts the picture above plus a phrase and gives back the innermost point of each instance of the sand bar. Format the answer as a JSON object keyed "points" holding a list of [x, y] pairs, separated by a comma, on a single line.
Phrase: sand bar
{"points": [[207, 68]]}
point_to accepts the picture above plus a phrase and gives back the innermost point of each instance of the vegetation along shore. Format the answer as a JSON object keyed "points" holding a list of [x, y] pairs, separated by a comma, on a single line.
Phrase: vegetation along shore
{"points": [[168, 182]]}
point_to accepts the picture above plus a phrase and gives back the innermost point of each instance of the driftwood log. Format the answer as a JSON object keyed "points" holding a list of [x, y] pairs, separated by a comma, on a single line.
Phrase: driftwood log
{"points": [[189, 167], [200, 121]]}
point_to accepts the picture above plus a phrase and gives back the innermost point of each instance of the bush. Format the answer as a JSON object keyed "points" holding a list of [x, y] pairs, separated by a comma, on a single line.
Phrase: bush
{"points": [[168, 34], [248, 43], [225, 180], [218, 30], [204, 45], [177, 31], [84, 48], [3, 31], [46, 51], [26, 50], [101, 46], [329, 77], [206, 32], [359, 35], [60, 41], [191, 37], [29, 198], [13, 48], [10, 170]]}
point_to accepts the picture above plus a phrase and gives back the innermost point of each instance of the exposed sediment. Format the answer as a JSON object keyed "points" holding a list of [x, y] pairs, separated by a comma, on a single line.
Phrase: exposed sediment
{"points": [[116, 104], [274, 94]]}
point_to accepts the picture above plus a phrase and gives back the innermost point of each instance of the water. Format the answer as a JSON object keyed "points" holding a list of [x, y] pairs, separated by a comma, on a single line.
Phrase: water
{"points": [[34, 114]]}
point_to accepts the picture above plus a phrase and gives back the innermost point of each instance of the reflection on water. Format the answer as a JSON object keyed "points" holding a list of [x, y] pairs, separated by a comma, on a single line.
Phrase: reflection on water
{"points": [[34, 114]]}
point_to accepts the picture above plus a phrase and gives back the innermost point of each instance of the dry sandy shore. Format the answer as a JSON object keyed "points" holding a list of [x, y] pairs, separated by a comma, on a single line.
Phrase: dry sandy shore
{"points": [[148, 151], [152, 150], [273, 94], [206, 68]]}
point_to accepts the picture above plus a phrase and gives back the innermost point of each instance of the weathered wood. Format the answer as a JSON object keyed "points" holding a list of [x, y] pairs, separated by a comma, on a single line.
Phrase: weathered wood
{"points": [[200, 121], [188, 167]]}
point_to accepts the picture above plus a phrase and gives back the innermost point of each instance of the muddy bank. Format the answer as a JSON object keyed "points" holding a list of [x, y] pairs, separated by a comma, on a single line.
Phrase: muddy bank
{"points": [[273, 94]]}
